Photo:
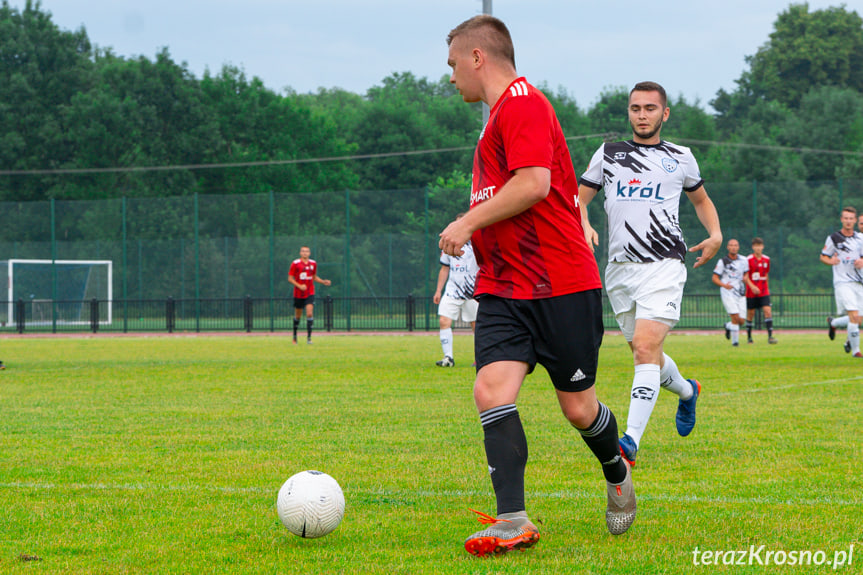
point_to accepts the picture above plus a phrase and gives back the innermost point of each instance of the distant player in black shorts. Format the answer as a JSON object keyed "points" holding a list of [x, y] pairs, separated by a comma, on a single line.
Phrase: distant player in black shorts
{"points": [[303, 275], [758, 290], [538, 286]]}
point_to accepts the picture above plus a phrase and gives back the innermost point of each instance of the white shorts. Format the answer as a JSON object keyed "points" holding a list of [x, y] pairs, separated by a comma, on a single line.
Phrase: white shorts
{"points": [[733, 302], [849, 297], [651, 291], [450, 307]]}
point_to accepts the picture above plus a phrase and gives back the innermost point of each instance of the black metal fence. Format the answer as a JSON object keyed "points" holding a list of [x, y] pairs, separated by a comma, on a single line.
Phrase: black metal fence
{"points": [[360, 314]]}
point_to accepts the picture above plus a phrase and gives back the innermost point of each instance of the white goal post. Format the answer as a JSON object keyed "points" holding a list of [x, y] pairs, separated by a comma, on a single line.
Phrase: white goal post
{"points": [[78, 285]]}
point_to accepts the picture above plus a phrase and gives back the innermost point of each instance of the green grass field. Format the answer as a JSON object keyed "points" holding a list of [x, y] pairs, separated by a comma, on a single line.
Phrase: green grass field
{"points": [[165, 454]]}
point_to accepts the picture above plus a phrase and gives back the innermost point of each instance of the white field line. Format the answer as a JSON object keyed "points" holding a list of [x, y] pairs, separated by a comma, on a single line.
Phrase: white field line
{"points": [[460, 493], [843, 381], [423, 493]]}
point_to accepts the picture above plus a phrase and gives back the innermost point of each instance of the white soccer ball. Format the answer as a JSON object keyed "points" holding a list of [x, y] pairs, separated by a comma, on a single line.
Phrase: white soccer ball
{"points": [[311, 504]]}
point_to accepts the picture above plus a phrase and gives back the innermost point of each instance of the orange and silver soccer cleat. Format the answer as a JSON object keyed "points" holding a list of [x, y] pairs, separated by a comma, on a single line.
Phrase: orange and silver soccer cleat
{"points": [[506, 532]]}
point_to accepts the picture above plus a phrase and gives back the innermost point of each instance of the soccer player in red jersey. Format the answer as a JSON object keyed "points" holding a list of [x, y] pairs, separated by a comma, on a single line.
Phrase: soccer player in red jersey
{"points": [[538, 285], [303, 275], [758, 290]]}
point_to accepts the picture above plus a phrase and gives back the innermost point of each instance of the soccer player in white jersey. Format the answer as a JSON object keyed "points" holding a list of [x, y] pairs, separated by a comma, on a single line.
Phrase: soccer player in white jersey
{"points": [[458, 274], [643, 179], [842, 320], [844, 251], [729, 274]]}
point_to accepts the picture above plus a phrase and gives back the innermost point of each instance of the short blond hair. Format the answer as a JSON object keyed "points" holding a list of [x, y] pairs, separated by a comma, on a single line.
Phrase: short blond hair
{"points": [[490, 33]]}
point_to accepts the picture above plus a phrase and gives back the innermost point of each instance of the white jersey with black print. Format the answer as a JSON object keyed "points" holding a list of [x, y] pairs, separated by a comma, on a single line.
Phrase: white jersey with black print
{"points": [[643, 185], [462, 273], [730, 271], [848, 248]]}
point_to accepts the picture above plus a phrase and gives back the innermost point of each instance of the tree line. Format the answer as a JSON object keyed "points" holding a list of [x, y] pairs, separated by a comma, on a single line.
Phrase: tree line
{"points": [[795, 118]]}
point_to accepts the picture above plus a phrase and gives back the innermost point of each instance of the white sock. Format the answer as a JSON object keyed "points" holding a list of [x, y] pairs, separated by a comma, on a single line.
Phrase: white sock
{"points": [[671, 379], [840, 322], [854, 337], [735, 333], [446, 341], [645, 390]]}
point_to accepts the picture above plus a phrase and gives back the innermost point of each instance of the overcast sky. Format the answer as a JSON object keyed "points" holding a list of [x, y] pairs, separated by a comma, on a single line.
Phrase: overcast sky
{"points": [[692, 47]]}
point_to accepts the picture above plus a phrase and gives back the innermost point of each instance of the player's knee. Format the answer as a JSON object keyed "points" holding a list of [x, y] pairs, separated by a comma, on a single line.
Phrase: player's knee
{"points": [[483, 395], [488, 393], [646, 351], [580, 415]]}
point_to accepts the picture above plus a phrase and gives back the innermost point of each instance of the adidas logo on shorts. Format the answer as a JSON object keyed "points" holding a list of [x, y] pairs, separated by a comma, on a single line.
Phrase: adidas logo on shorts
{"points": [[577, 376]]}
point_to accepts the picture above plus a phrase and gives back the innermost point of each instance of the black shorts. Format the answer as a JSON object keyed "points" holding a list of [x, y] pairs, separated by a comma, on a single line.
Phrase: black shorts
{"points": [[563, 334], [301, 302], [758, 302]]}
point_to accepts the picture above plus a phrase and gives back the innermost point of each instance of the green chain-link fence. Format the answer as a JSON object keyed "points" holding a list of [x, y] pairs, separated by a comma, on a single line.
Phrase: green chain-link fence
{"points": [[374, 245]]}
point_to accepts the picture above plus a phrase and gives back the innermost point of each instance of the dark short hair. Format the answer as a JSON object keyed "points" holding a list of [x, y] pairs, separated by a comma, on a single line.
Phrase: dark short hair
{"points": [[651, 87], [850, 209], [490, 33], [757, 241]]}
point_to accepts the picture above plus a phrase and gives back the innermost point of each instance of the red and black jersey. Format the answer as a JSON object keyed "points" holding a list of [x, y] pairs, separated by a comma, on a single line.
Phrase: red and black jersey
{"points": [[758, 270], [304, 272], [540, 252]]}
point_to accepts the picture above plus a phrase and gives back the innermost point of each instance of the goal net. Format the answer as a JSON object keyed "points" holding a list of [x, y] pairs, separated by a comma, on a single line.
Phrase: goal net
{"points": [[59, 290]]}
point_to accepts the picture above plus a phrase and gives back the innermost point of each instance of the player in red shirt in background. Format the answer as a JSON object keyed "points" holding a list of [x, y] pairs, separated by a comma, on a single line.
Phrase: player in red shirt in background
{"points": [[758, 291], [303, 275], [538, 285]]}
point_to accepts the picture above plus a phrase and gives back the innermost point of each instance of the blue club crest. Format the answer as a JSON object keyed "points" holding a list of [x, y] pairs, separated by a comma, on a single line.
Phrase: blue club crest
{"points": [[670, 165]]}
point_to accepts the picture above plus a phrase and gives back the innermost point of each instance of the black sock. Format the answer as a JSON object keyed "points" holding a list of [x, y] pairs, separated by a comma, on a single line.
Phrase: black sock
{"points": [[601, 438], [748, 329], [769, 324], [309, 323], [296, 325], [506, 453]]}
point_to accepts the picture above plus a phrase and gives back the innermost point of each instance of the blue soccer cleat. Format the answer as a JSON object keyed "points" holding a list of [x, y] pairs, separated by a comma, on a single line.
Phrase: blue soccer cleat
{"points": [[686, 410], [628, 449]]}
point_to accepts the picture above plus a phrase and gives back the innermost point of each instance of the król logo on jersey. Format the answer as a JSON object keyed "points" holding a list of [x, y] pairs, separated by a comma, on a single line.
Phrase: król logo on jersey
{"points": [[644, 393], [635, 190], [669, 164]]}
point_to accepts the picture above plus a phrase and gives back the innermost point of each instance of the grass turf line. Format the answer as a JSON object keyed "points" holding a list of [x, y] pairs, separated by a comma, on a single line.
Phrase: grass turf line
{"points": [[164, 455]]}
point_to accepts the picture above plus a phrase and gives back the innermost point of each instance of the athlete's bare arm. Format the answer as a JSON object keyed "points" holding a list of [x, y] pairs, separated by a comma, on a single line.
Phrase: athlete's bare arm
{"points": [[709, 218], [585, 196], [295, 283], [717, 281], [527, 187], [830, 260], [442, 276]]}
